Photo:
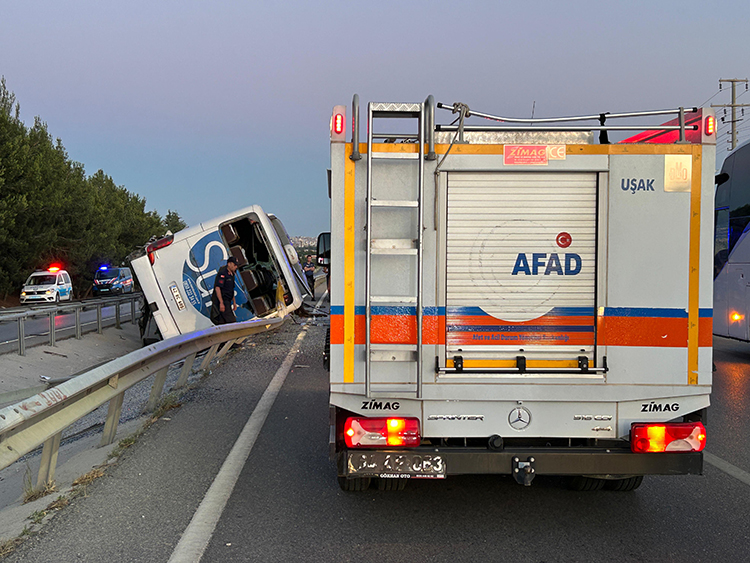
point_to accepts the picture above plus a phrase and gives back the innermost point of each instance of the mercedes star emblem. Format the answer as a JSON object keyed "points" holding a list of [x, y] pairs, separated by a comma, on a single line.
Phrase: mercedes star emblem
{"points": [[519, 418]]}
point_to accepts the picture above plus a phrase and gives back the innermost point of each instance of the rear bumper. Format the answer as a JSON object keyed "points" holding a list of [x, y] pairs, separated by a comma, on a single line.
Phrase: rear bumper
{"points": [[551, 461]]}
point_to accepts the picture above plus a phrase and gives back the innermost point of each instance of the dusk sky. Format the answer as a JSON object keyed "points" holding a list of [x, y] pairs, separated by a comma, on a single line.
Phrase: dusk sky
{"points": [[206, 107]]}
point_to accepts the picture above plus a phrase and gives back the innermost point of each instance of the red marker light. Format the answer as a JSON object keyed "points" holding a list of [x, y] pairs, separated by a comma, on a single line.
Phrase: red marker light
{"points": [[54, 269], [710, 125], [338, 124]]}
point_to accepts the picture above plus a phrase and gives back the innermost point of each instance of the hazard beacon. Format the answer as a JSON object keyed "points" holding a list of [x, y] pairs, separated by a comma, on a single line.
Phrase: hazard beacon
{"points": [[518, 296]]}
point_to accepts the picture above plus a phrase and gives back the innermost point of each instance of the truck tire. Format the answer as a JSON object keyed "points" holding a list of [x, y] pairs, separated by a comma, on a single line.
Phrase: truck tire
{"points": [[624, 485], [391, 484], [354, 484], [581, 483]]}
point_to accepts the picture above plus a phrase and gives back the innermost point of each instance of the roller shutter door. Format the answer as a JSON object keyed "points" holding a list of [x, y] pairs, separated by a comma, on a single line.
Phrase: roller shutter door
{"points": [[521, 272]]}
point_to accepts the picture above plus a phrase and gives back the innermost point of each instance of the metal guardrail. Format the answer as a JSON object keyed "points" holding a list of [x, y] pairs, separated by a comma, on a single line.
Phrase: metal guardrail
{"points": [[41, 419], [53, 312]]}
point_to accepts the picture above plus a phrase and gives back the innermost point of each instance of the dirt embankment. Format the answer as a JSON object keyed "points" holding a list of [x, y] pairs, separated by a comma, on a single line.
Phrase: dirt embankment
{"points": [[10, 301]]}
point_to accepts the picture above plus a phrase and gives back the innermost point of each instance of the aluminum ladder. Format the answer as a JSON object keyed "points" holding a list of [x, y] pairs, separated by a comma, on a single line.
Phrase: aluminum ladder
{"points": [[389, 216]]}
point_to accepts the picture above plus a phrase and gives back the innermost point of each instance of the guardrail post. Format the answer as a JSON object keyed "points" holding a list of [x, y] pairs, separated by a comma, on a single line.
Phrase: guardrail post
{"points": [[227, 346], [209, 356], [21, 336], [187, 367], [99, 318], [78, 323], [117, 315], [52, 316], [158, 387], [113, 419], [49, 461]]}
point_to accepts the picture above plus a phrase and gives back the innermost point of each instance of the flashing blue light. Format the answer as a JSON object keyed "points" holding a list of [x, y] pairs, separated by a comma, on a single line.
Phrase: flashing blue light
{"points": [[103, 267]]}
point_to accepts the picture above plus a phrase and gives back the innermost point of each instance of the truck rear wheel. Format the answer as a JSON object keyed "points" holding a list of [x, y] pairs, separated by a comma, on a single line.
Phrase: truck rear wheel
{"points": [[391, 484], [624, 485], [581, 483], [354, 484]]}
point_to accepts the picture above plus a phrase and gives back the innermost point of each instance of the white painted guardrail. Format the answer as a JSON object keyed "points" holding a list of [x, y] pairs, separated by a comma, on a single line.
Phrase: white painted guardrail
{"points": [[41, 419]]}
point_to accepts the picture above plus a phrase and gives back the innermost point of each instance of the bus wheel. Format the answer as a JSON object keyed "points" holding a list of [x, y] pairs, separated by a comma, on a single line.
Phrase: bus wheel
{"points": [[624, 485], [581, 483], [354, 484], [391, 484]]}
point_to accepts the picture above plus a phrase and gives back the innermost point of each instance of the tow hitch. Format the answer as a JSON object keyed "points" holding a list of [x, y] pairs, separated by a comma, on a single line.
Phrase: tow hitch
{"points": [[523, 471]]}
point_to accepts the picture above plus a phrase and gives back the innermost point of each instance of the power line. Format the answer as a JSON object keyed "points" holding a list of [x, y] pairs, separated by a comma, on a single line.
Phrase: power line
{"points": [[709, 99], [734, 105]]}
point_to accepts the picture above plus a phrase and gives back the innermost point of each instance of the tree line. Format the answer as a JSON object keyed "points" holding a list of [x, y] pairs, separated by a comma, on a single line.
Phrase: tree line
{"points": [[52, 212]]}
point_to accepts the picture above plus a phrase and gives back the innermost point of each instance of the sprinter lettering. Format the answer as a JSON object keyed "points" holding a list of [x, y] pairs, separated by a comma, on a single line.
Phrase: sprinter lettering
{"points": [[542, 263]]}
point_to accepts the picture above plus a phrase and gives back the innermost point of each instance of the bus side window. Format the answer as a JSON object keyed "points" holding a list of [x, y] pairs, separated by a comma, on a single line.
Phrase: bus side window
{"points": [[721, 239]]}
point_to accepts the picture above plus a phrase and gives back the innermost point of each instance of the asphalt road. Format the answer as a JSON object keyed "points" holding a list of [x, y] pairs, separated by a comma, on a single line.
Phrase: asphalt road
{"points": [[287, 506]]}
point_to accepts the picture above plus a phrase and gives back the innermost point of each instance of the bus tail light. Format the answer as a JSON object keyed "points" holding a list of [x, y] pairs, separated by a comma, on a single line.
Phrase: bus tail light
{"points": [[156, 245], [360, 432], [667, 437]]}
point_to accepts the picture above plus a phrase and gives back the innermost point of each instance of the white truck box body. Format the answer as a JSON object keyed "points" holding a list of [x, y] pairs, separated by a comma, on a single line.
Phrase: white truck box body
{"points": [[603, 253]]}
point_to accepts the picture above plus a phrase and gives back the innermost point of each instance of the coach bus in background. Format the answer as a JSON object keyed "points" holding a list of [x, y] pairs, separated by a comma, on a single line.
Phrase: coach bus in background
{"points": [[732, 246], [177, 272]]}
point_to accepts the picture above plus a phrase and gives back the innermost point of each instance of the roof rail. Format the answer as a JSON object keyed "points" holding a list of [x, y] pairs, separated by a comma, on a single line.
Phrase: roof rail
{"points": [[601, 118]]}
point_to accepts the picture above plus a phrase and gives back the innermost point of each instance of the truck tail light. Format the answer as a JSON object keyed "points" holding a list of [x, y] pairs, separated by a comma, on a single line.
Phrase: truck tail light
{"points": [[360, 432], [156, 245], [667, 437], [710, 125]]}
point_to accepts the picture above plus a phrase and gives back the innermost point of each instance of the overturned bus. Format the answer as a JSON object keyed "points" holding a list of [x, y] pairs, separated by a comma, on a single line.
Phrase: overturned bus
{"points": [[177, 272]]}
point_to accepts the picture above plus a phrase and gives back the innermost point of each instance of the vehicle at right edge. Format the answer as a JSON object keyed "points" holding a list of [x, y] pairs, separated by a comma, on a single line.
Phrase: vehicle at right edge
{"points": [[732, 247], [519, 296]]}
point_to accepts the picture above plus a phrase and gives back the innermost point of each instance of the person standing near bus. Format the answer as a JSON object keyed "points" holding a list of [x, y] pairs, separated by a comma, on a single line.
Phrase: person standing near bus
{"points": [[309, 270], [223, 302]]}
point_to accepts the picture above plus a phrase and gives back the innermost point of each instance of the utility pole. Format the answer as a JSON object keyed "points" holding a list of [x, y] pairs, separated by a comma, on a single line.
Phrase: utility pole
{"points": [[734, 105]]}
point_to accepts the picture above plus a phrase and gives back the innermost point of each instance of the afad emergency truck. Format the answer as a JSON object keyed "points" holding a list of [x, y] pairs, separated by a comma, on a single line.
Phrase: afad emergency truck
{"points": [[177, 272], [514, 297]]}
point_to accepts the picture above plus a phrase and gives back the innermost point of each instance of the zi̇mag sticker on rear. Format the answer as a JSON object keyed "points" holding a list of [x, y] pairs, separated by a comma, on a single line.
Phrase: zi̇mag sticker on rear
{"points": [[198, 277]]}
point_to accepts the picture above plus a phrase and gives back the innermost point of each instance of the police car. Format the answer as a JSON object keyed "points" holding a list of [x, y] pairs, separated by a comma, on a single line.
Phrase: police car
{"points": [[108, 280], [47, 286]]}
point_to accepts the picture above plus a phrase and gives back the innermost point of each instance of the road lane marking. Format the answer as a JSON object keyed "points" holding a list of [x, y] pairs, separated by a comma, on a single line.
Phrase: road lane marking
{"points": [[197, 535], [727, 467]]}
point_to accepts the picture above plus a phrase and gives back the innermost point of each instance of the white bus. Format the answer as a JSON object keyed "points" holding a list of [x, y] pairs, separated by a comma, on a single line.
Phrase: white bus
{"points": [[177, 272], [732, 247]]}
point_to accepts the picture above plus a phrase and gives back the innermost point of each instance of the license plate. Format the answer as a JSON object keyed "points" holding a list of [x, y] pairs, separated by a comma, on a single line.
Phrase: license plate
{"points": [[396, 466], [177, 297]]}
